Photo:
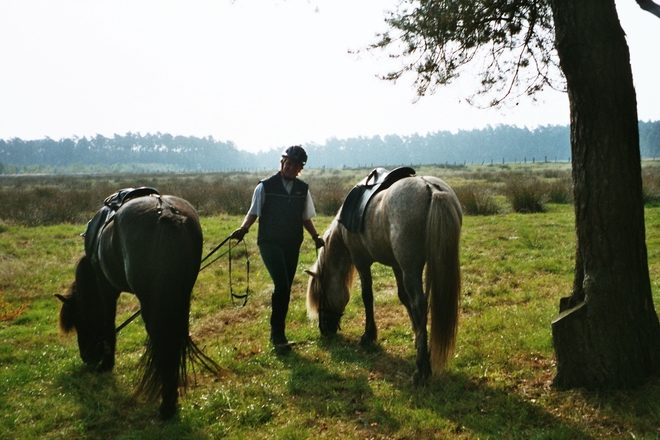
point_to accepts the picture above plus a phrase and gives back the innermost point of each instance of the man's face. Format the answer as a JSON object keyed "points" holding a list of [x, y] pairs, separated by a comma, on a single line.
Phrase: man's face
{"points": [[290, 168]]}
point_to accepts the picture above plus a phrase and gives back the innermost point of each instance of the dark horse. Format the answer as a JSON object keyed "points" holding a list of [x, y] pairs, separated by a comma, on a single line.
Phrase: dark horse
{"points": [[151, 248], [414, 223]]}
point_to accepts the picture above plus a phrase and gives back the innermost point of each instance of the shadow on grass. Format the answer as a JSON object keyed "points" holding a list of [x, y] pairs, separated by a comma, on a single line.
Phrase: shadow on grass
{"points": [[317, 387], [468, 405], [477, 407], [106, 408]]}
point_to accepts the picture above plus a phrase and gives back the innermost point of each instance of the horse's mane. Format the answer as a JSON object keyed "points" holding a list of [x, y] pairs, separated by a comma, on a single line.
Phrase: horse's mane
{"points": [[333, 255], [84, 283]]}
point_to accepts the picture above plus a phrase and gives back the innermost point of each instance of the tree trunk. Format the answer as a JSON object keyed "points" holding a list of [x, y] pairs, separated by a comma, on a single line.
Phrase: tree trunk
{"points": [[607, 335]]}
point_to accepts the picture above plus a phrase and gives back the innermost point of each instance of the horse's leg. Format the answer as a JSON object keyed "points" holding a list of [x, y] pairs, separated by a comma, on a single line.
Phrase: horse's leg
{"points": [[169, 396], [401, 292], [110, 296], [164, 348], [418, 310], [370, 332]]}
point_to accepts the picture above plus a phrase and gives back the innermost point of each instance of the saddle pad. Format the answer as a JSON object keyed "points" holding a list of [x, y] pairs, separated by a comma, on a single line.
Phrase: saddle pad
{"points": [[352, 210]]}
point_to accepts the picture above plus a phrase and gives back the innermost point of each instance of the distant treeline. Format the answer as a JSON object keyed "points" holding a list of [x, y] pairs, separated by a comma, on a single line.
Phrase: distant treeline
{"points": [[164, 152]]}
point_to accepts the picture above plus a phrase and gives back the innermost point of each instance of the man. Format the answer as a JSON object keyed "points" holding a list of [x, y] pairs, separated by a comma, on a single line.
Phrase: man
{"points": [[284, 207]]}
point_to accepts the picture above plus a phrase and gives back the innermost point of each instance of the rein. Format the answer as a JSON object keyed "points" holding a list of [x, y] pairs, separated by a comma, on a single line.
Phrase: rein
{"points": [[234, 296]]}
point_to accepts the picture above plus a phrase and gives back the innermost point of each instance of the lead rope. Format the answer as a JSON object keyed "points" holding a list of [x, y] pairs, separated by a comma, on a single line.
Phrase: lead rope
{"points": [[244, 297], [234, 296], [212, 252]]}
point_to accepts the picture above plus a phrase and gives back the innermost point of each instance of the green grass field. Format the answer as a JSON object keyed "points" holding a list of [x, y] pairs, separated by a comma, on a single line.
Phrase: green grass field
{"points": [[498, 385]]}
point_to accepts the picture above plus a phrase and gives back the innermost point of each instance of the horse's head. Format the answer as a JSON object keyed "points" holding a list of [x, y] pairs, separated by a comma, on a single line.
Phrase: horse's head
{"points": [[81, 312], [319, 307], [329, 287]]}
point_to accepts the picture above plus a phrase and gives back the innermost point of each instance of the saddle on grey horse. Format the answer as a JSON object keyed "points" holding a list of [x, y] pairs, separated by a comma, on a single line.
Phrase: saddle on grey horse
{"points": [[379, 179], [107, 212]]}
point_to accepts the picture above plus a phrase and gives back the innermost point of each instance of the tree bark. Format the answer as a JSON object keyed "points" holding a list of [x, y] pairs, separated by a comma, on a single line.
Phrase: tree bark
{"points": [[607, 335]]}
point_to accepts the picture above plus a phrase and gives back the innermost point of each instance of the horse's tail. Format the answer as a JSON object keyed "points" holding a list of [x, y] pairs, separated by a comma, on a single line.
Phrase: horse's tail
{"points": [[154, 365], [170, 351], [443, 274], [165, 311]]}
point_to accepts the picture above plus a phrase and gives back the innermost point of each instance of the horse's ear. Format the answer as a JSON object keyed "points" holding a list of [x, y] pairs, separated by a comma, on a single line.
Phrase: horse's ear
{"points": [[310, 273], [63, 298]]}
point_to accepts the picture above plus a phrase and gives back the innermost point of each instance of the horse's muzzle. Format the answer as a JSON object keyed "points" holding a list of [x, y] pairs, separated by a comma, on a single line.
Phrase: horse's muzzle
{"points": [[92, 356], [329, 323]]}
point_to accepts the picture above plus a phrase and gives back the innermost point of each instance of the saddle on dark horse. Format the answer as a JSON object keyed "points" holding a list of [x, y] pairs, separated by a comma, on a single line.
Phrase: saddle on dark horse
{"points": [[355, 204], [107, 212]]}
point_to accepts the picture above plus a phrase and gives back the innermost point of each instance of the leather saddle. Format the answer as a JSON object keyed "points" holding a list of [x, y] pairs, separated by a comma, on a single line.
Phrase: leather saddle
{"points": [[107, 212], [352, 210]]}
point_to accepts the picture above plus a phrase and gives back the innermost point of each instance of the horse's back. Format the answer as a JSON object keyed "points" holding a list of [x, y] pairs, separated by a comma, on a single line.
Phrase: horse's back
{"points": [[159, 222], [152, 239], [395, 221], [150, 209], [407, 201], [419, 185]]}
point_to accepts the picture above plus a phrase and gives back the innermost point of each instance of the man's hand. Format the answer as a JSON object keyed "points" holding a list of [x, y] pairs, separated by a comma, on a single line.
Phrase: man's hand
{"points": [[239, 233]]}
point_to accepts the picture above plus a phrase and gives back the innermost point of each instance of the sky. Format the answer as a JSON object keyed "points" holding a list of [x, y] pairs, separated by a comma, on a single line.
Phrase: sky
{"points": [[262, 74]]}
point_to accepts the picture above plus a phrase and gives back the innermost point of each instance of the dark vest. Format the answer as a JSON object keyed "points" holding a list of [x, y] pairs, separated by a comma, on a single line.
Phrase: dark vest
{"points": [[281, 215]]}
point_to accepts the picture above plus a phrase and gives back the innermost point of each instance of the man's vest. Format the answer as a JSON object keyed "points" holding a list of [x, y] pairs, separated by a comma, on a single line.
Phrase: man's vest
{"points": [[281, 215]]}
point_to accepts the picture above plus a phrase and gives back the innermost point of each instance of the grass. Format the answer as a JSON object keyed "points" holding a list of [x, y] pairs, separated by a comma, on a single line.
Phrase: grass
{"points": [[498, 385]]}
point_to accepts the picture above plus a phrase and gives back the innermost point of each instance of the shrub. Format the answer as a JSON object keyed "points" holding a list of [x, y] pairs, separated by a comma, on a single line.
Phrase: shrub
{"points": [[527, 194], [49, 200], [329, 193], [47, 205], [212, 196], [560, 190], [476, 200], [651, 185]]}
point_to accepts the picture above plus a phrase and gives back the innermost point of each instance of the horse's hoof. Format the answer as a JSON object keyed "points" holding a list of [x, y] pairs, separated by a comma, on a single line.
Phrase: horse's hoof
{"points": [[283, 347], [105, 367], [166, 412], [328, 333], [419, 379], [367, 340]]}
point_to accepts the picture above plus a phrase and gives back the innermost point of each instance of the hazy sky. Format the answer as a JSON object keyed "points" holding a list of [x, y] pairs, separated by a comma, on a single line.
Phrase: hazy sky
{"points": [[259, 73]]}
